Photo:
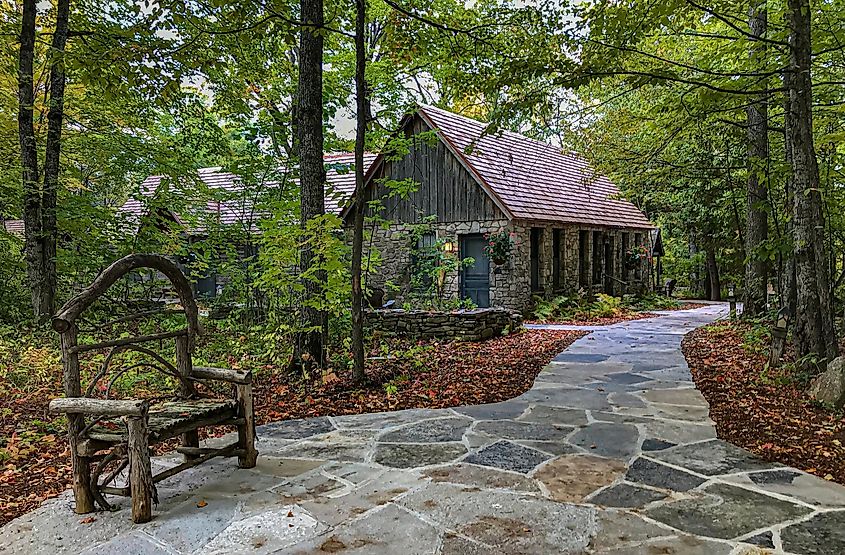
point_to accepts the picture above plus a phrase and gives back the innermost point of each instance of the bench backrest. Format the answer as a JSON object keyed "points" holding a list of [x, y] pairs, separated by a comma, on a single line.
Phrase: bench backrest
{"points": [[65, 322]]}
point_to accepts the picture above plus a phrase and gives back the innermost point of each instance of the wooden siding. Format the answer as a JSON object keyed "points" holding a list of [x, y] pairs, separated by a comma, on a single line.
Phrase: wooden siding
{"points": [[446, 189]]}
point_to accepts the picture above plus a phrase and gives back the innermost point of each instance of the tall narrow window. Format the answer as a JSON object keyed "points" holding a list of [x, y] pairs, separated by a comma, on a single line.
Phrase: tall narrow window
{"points": [[536, 236], [423, 258], [609, 281], [556, 244], [598, 251], [583, 258], [625, 246]]}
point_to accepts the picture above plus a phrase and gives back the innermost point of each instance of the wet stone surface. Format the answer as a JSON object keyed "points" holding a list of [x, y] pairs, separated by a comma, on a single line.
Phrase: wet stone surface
{"points": [[610, 452], [494, 411], [713, 458], [412, 456], [429, 431], [645, 471], [822, 534], [652, 444], [533, 431], [764, 540], [609, 440], [295, 429], [508, 456], [626, 496], [726, 512]]}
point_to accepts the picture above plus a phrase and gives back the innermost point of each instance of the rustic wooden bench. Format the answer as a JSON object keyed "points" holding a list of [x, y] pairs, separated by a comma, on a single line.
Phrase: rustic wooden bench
{"points": [[110, 435]]}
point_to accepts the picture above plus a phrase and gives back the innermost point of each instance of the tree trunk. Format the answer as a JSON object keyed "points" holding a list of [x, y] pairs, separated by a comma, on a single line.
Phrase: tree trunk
{"points": [[358, 202], [757, 219], [309, 345], [714, 282], [29, 163], [814, 332], [790, 286], [55, 122]]}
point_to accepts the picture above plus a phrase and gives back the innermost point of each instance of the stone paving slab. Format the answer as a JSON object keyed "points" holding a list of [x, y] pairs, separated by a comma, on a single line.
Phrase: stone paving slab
{"points": [[611, 452]]}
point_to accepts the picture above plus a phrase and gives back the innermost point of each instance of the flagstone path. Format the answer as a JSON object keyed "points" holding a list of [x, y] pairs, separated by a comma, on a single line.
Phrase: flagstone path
{"points": [[610, 452]]}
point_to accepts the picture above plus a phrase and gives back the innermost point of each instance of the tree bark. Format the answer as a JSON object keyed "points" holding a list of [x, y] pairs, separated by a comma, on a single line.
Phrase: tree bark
{"points": [[55, 122], [814, 332], [40, 202], [362, 109], [790, 286], [29, 161], [714, 282], [757, 218], [309, 345]]}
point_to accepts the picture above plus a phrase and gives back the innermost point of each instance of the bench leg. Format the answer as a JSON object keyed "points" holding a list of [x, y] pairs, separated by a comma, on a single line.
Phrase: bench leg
{"points": [[140, 473], [246, 431], [82, 492], [190, 439]]}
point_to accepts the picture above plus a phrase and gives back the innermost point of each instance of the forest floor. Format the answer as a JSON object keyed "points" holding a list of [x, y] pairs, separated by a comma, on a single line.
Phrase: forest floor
{"points": [[34, 461], [765, 410]]}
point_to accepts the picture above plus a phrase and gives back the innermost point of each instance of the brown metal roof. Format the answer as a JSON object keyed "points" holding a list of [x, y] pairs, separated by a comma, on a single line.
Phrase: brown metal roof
{"points": [[14, 227], [532, 180], [240, 208], [340, 178]]}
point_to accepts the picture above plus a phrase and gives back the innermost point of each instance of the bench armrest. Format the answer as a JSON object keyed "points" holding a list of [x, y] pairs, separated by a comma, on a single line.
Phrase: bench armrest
{"points": [[222, 374], [99, 407]]}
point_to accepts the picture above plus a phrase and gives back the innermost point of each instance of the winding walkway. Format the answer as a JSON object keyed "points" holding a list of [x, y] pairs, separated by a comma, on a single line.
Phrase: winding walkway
{"points": [[610, 452]]}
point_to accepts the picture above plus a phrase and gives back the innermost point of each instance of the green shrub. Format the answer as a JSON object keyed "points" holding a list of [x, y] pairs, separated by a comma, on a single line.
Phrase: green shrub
{"points": [[576, 307], [605, 306], [653, 301]]}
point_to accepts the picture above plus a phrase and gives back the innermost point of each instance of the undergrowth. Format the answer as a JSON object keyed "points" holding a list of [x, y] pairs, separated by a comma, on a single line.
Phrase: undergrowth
{"points": [[581, 306]]}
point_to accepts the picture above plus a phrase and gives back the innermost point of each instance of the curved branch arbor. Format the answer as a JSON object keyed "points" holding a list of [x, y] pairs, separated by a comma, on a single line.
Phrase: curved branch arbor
{"points": [[108, 434]]}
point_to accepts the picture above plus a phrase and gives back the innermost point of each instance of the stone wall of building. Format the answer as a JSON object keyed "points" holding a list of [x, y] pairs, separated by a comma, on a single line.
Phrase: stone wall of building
{"points": [[464, 325], [390, 249], [571, 260]]}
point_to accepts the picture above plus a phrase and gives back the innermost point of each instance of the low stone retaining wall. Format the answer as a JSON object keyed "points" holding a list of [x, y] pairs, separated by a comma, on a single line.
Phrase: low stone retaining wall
{"points": [[464, 325]]}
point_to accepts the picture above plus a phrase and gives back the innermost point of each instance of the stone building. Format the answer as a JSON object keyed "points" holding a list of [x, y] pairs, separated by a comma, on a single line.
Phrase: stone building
{"points": [[571, 228]]}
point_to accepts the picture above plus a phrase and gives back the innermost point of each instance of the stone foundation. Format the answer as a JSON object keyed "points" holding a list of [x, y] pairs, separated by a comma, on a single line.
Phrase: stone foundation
{"points": [[464, 325]]}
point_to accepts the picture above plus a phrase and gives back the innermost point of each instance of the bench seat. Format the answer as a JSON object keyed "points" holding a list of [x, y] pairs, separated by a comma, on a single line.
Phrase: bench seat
{"points": [[170, 419]]}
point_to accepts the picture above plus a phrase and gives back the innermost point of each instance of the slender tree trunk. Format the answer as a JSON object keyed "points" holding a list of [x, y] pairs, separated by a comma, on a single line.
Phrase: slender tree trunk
{"points": [[814, 331], [790, 286], [55, 122], [40, 202], [310, 348], [757, 218], [29, 162], [358, 202], [714, 282]]}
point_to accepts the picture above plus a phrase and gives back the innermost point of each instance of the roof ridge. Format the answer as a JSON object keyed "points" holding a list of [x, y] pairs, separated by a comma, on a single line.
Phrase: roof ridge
{"points": [[503, 131]]}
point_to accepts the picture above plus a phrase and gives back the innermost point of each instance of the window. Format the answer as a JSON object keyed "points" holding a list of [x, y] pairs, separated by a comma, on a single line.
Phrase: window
{"points": [[583, 258], [626, 244], [638, 241], [609, 282], [423, 256], [536, 236], [556, 246], [597, 256]]}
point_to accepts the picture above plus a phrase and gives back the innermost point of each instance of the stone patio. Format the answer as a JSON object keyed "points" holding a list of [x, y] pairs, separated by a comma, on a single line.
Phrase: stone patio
{"points": [[610, 452]]}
